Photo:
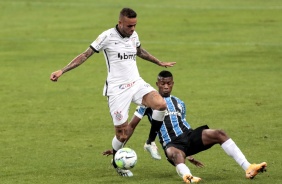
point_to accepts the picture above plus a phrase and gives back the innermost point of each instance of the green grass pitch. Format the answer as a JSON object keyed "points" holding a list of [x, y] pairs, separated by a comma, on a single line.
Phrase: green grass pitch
{"points": [[228, 71]]}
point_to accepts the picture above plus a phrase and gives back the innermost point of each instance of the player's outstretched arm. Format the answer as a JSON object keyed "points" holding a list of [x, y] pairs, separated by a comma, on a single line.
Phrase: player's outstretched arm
{"points": [[195, 162], [73, 64], [142, 53], [132, 125], [108, 152]]}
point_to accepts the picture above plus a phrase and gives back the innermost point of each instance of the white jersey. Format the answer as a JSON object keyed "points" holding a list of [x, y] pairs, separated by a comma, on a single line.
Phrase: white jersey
{"points": [[120, 55]]}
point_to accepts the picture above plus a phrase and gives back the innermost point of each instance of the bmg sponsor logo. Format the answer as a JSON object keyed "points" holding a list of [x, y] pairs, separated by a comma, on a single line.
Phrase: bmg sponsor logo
{"points": [[126, 56]]}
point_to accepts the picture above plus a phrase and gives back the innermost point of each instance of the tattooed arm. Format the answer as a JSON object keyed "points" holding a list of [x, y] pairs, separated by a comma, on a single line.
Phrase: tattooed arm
{"points": [[142, 53], [73, 64]]}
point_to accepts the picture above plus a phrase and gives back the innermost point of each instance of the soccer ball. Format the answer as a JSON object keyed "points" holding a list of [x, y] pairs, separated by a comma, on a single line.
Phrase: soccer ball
{"points": [[125, 158]]}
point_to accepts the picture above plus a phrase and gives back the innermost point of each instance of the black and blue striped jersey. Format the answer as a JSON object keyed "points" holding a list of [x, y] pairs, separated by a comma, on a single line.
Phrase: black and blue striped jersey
{"points": [[174, 123]]}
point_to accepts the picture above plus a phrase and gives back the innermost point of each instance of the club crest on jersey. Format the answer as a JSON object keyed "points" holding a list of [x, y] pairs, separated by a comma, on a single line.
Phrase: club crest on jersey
{"points": [[118, 115], [133, 41], [180, 107]]}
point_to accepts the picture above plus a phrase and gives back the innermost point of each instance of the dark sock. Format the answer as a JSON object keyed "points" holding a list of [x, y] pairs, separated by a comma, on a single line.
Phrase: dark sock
{"points": [[155, 128], [114, 153]]}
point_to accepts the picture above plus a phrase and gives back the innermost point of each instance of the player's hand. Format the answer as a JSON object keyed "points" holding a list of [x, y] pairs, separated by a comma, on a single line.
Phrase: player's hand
{"points": [[195, 162], [167, 64], [55, 75], [108, 152]]}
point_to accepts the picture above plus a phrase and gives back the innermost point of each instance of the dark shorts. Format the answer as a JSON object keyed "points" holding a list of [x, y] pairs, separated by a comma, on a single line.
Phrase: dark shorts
{"points": [[190, 142]]}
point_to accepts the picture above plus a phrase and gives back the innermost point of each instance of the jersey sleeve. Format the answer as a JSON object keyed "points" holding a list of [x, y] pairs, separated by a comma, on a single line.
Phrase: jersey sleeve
{"points": [[138, 44], [140, 111], [100, 42], [183, 112]]}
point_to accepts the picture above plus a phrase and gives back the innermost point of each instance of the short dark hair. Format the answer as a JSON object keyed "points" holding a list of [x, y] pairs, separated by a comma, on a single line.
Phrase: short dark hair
{"points": [[128, 12], [165, 73]]}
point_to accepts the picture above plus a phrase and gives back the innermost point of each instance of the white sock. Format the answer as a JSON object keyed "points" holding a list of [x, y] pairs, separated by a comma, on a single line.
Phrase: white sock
{"points": [[116, 144], [232, 150], [182, 169], [158, 115]]}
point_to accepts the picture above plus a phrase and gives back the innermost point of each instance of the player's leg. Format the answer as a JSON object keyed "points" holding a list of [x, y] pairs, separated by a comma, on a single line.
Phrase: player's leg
{"points": [[117, 143], [119, 106], [150, 144], [213, 136], [177, 157], [157, 103], [149, 97], [120, 137]]}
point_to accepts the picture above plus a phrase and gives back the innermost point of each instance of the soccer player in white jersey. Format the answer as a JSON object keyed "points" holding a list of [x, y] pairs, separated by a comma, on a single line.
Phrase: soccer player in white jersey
{"points": [[124, 85], [179, 140]]}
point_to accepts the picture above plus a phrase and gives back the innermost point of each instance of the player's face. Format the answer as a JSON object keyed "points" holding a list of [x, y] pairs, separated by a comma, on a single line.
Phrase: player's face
{"points": [[165, 85], [127, 26]]}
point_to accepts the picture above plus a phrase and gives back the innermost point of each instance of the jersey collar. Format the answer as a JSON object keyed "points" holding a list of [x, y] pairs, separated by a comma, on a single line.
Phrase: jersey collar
{"points": [[120, 32]]}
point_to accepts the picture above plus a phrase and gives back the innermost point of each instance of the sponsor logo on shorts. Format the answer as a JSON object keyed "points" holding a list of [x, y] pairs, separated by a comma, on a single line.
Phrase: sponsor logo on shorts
{"points": [[124, 86]]}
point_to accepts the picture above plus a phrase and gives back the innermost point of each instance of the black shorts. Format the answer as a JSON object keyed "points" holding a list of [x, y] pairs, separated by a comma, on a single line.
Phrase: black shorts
{"points": [[190, 142]]}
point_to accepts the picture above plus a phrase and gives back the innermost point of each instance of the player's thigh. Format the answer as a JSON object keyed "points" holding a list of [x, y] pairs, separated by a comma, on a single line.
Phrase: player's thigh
{"points": [[154, 100], [195, 143], [141, 89], [214, 136]]}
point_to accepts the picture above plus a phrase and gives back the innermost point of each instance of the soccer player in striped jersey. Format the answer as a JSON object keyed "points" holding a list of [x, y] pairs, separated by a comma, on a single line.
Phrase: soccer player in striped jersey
{"points": [[179, 140], [124, 85]]}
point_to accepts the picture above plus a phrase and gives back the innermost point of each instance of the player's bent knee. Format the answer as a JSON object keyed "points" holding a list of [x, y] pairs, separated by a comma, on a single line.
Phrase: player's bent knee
{"points": [[155, 101], [175, 155], [121, 137], [122, 132], [220, 132], [177, 158], [222, 135], [162, 106]]}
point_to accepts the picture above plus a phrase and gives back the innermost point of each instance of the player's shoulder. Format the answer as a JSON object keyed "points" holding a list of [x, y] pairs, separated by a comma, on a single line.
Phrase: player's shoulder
{"points": [[108, 35], [176, 98], [134, 34], [109, 32]]}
